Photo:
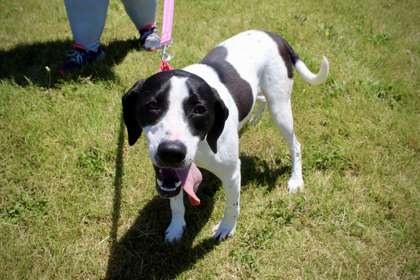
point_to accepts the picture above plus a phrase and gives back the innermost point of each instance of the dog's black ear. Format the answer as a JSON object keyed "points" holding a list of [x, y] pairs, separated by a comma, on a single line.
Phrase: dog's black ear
{"points": [[129, 103], [221, 113]]}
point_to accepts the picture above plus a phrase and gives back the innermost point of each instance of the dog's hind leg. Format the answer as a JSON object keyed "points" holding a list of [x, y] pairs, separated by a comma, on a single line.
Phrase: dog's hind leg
{"points": [[279, 100], [259, 109], [282, 115], [176, 227]]}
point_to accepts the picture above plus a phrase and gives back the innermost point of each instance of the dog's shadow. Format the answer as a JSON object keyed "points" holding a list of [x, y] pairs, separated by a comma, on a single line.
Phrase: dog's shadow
{"points": [[254, 169], [38, 63], [141, 252]]}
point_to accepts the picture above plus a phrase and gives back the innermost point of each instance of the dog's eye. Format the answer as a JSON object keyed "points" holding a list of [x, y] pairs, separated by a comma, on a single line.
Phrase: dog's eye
{"points": [[152, 105], [199, 109]]}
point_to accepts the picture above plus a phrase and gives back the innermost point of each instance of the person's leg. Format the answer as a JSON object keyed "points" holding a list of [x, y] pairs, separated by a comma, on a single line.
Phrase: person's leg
{"points": [[143, 15], [87, 20], [141, 12]]}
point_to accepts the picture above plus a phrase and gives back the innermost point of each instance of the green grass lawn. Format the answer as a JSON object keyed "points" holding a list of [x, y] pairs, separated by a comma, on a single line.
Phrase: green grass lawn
{"points": [[77, 203]]}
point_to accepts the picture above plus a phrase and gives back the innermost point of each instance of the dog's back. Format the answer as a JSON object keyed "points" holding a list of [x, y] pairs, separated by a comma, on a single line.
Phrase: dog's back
{"points": [[251, 63]]}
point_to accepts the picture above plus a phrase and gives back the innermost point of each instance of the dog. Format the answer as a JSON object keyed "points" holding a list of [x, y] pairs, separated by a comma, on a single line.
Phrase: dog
{"points": [[192, 117]]}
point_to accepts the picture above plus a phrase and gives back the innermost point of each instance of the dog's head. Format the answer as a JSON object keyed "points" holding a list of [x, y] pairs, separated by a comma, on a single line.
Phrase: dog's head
{"points": [[176, 110]]}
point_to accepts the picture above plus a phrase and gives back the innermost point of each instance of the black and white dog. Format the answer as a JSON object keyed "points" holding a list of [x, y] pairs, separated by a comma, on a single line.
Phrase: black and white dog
{"points": [[193, 116]]}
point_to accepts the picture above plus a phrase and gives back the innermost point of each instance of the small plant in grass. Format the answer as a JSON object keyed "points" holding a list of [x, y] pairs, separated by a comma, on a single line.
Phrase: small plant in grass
{"points": [[25, 207], [93, 162]]}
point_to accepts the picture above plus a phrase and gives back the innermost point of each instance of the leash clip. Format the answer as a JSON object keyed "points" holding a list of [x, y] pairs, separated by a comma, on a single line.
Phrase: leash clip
{"points": [[165, 57]]}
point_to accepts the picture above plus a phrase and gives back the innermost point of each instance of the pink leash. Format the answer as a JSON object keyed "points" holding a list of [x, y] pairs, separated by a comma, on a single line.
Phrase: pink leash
{"points": [[166, 38]]}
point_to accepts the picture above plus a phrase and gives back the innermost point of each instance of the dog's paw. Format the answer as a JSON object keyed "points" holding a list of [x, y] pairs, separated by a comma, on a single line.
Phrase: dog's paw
{"points": [[174, 231], [223, 230], [295, 184]]}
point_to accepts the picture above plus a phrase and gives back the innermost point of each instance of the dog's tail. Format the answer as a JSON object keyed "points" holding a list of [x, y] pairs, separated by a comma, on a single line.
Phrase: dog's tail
{"points": [[307, 75]]}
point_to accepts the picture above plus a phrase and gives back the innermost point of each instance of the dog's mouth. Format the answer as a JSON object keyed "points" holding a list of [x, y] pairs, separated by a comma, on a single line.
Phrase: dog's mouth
{"points": [[169, 182]]}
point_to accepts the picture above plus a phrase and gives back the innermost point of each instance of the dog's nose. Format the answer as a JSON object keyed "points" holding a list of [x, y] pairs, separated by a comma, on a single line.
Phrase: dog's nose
{"points": [[171, 152]]}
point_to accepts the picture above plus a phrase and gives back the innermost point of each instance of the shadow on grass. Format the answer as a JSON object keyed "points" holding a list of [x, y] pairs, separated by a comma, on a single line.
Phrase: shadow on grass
{"points": [[25, 64], [119, 169], [141, 252], [259, 171]]}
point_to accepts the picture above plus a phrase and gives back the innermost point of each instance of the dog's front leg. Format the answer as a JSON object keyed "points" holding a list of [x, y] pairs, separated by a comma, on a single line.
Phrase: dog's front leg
{"points": [[176, 227], [231, 179]]}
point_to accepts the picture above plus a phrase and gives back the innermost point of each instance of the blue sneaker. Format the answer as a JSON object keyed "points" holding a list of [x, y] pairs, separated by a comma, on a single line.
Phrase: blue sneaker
{"points": [[149, 39], [78, 57]]}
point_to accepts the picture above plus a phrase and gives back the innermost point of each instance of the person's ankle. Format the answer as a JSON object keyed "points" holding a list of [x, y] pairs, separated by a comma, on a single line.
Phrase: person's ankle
{"points": [[147, 27]]}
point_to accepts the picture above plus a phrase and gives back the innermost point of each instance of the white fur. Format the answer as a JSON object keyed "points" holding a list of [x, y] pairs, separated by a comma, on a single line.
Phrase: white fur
{"points": [[255, 57], [176, 227], [310, 77]]}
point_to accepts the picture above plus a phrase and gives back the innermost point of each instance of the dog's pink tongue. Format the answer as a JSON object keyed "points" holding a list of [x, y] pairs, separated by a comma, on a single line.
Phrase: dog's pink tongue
{"points": [[191, 182]]}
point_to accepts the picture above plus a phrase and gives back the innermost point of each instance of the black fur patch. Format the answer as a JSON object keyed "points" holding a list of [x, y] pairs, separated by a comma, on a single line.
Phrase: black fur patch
{"points": [[145, 104], [205, 111], [285, 50], [239, 88]]}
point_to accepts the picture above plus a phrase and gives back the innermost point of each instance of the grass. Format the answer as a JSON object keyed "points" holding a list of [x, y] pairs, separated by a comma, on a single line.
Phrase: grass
{"points": [[77, 203]]}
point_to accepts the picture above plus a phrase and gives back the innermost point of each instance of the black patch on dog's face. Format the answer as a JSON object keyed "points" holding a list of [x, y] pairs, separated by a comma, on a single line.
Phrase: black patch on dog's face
{"points": [[145, 104], [239, 88], [205, 112], [285, 50], [198, 107], [153, 100]]}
